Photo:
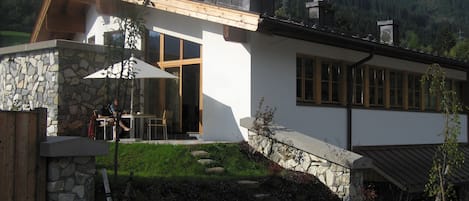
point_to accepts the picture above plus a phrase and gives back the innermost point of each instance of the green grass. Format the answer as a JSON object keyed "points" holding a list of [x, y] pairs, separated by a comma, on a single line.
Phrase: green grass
{"points": [[175, 161], [8, 38]]}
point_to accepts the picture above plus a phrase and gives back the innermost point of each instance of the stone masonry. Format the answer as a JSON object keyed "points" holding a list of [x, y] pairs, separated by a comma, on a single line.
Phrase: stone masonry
{"points": [[50, 74], [335, 176], [71, 178], [338, 169]]}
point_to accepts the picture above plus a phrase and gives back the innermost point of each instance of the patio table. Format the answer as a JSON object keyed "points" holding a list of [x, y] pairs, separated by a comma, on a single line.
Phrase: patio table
{"points": [[132, 117]]}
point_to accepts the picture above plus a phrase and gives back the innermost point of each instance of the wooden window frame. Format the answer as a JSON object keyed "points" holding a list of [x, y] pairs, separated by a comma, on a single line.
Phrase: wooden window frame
{"points": [[331, 65], [179, 63], [394, 100], [303, 79], [373, 85], [355, 85], [411, 90], [110, 42]]}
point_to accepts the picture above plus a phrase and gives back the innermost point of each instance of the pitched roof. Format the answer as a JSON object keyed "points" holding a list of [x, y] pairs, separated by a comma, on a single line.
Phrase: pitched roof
{"points": [[408, 166], [324, 35]]}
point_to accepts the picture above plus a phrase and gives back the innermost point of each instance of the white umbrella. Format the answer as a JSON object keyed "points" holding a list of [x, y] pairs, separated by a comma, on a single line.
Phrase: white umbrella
{"points": [[133, 69]]}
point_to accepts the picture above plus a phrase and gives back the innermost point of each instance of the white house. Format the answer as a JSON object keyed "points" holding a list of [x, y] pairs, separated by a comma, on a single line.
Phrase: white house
{"points": [[229, 55]]}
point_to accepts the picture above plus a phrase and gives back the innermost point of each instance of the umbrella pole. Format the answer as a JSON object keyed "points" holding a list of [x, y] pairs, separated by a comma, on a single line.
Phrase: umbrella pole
{"points": [[132, 97]]}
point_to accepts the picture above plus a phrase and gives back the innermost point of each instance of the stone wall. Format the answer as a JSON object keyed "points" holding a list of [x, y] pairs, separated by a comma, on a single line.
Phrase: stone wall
{"points": [[333, 175], [29, 79], [78, 97], [71, 178], [50, 74]]}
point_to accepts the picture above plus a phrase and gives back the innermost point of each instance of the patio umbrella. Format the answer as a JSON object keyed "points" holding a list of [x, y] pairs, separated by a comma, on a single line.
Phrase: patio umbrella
{"points": [[133, 69]]}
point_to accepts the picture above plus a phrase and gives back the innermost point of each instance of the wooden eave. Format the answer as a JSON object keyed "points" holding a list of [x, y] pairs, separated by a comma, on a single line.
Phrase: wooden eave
{"points": [[231, 17], [278, 27], [60, 19]]}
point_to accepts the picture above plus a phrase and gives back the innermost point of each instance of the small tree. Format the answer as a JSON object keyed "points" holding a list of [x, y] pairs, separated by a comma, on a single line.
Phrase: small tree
{"points": [[447, 157], [264, 119]]}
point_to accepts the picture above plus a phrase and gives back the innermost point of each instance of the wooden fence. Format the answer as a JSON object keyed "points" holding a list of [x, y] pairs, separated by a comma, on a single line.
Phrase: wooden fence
{"points": [[22, 170]]}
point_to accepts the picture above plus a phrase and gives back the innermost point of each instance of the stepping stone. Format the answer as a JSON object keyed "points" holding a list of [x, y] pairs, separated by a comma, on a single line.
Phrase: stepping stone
{"points": [[199, 153], [261, 195], [206, 161], [215, 170], [249, 183]]}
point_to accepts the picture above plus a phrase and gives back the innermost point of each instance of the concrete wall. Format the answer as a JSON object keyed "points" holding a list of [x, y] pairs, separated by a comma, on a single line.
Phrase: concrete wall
{"points": [[381, 127]]}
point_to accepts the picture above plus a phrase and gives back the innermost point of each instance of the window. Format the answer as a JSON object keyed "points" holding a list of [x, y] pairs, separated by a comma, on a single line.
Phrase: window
{"points": [[413, 96], [153, 46], [430, 100], [376, 86], [358, 83], [395, 89], [331, 77], [91, 40], [305, 79], [190, 50], [171, 48], [114, 38]]}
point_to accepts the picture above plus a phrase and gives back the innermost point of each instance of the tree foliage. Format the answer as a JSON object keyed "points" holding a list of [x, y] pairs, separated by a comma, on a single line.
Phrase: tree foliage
{"points": [[460, 50], [447, 157]]}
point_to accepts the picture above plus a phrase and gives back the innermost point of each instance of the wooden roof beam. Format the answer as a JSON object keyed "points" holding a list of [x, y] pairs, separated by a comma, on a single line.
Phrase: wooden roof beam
{"points": [[231, 17], [65, 23]]}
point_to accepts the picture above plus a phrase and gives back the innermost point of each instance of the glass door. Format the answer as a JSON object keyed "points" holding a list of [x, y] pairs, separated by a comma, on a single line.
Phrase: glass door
{"points": [[190, 98], [173, 100]]}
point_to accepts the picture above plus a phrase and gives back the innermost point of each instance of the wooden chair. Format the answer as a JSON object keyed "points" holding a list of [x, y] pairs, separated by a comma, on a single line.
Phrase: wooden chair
{"points": [[158, 122]]}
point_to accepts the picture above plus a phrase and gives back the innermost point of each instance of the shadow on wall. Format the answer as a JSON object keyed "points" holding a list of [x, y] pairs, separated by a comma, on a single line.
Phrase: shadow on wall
{"points": [[219, 122]]}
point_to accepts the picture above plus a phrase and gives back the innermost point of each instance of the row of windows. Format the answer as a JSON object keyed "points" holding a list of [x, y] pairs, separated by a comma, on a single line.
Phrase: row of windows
{"points": [[322, 81]]}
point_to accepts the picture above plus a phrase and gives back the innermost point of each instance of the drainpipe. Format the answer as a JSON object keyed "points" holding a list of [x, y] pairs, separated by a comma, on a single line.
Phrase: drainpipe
{"points": [[349, 97]]}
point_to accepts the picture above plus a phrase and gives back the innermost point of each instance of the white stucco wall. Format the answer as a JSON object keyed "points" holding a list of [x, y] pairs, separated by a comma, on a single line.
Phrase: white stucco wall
{"points": [[225, 73], [97, 24], [274, 78], [380, 127]]}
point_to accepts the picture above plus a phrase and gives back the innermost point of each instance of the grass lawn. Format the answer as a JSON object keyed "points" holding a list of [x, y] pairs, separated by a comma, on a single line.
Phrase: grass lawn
{"points": [[171, 173], [8, 38], [176, 162]]}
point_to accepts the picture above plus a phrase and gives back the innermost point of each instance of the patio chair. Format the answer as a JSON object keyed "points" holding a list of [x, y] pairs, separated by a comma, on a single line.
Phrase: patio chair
{"points": [[158, 122]]}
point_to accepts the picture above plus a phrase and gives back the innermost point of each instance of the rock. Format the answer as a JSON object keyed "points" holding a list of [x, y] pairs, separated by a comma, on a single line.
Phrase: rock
{"points": [[79, 190], [261, 195], [66, 197], [64, 161], [205, 161], [83, 63], [81, 160], [200, 153], [215, 170], [52, 196], [68, 171], [81, 178], [249, 183], [55, 186], [69, 183], [69, 73], [53, 172]]}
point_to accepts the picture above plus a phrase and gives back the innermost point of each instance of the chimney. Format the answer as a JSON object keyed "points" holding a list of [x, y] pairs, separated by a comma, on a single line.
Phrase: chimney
{"points": [[319, 12], [388, 31]]}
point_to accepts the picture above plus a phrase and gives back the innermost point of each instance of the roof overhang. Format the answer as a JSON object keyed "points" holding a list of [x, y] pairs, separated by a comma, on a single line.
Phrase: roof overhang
{"points": [[212, 13], [62, 19], [271, 25], [408, 166]]}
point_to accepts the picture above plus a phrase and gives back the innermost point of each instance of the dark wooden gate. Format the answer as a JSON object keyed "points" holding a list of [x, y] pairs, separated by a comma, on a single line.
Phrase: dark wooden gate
{"points": [[22, 170]]}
